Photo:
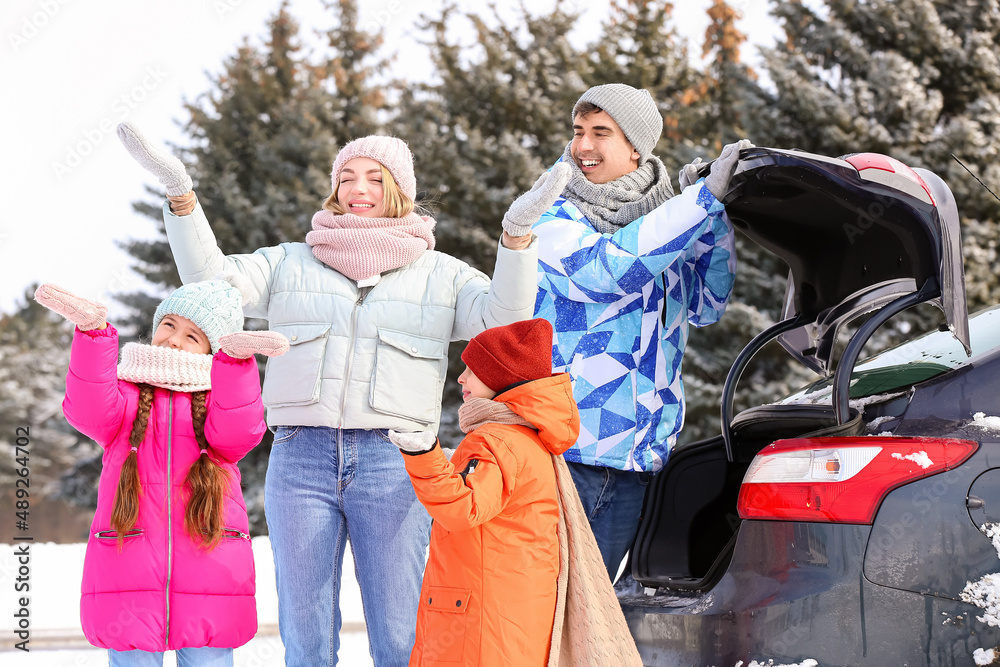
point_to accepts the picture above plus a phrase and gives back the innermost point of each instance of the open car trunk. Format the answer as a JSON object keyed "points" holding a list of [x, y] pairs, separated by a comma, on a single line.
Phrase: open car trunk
{"points": [[863, 235]]}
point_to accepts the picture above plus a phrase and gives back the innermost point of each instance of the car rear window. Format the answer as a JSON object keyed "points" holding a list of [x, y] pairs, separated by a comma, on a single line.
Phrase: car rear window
{"points": [[912, 362]]}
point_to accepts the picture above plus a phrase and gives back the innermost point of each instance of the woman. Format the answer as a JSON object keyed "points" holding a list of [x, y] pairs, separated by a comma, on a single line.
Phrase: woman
{"points": [[369, 309]]}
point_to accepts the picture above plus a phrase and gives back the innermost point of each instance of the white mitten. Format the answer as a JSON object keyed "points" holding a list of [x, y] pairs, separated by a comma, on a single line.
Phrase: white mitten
{"points": [[529, 207], [168, 170], [415, 442]]}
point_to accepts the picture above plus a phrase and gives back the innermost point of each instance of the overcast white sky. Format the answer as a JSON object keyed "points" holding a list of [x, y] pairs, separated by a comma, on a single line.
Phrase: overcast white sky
{"points": [[72, 70]]}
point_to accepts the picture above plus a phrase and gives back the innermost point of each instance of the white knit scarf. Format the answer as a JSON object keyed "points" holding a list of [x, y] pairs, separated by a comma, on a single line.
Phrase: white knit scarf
{"points": [[165, 367], [361, 247], [478, 411]]}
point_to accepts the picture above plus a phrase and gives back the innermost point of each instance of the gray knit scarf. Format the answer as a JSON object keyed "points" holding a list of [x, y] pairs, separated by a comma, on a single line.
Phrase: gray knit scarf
{"points": [[478, 411], [611, 206]]}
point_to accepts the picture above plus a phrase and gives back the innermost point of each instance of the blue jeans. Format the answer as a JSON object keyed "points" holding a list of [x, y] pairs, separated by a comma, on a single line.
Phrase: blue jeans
{"points": [[186, 657], [612, 500], [324, 486]]}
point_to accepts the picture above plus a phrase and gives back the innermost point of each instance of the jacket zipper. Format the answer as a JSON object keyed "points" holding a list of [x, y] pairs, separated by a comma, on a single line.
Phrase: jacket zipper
{"points": [[362, 294], [170, 518]]}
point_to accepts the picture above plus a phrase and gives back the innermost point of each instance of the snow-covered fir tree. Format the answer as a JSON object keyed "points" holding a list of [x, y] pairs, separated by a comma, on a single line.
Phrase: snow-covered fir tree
{"points": [[34, 356], [915, 79]]}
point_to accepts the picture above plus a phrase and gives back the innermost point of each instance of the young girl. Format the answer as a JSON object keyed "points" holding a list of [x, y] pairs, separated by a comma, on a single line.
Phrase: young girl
{"points": [[370, 309], [169, 564]]}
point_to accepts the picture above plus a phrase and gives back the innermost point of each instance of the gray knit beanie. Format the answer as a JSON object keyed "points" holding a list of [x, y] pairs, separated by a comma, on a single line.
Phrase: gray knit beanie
{"points": [[214, 306], [633, 109]]}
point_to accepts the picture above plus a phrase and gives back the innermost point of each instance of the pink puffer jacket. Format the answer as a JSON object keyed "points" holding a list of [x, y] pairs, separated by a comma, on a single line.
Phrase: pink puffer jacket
{"points": [[161, 591]]}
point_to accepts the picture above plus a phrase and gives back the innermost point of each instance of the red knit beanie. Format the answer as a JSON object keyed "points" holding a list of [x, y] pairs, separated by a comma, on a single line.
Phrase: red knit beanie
{"points": [[510, 354]]}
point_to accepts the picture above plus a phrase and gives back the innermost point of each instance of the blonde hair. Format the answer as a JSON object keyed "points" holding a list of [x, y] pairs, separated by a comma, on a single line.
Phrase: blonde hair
{"points": [[395, 203]]}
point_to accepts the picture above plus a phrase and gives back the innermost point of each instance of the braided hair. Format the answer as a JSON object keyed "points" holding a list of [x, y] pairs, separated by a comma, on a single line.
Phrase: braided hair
{"points": [[206, 479], [125, 510]]}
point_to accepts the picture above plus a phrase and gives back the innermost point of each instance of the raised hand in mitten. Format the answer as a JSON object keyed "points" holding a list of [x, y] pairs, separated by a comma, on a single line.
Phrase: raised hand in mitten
{"points": [[244, 344], [723, 167], [85, 314], [529, 207], [415, 442], [168, 170]]}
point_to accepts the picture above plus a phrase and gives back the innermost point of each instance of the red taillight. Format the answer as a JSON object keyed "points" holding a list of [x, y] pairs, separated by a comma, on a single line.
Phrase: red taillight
{"points": [[840, 480]]}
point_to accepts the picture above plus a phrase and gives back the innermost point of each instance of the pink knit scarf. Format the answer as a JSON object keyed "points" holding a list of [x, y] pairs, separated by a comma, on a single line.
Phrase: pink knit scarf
{"points": [[361, 247]]}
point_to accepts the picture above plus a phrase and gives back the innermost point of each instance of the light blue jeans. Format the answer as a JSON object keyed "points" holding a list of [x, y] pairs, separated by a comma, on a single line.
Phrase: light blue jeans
{"points": [[324, 486], [186, 657], [612, 500]]}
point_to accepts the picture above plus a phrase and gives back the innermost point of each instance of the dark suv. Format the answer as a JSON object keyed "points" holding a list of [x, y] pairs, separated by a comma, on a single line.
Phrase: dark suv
{"points": [[853, 522]]}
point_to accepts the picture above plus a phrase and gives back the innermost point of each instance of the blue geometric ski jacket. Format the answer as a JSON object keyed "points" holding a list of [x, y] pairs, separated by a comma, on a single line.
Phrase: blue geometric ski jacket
{"points": [[620, 305]]}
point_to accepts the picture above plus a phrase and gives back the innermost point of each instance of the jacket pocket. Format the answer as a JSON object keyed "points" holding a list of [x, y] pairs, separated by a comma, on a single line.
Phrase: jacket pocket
{"points": [[408, 376], [294, 377], [283, 434], [111, 535], [445, 623], [234, 534]]}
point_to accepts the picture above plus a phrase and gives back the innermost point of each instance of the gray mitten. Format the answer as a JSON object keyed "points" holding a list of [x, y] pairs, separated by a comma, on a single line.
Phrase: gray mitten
{"points": [[85, 314], [415, 442], [168, 170], [723, 167], [688, 175], [529, 207]]}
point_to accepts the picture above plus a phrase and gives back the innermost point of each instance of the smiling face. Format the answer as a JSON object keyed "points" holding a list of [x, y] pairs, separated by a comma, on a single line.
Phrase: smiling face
{"points": [[181, 333], [600, 148], [473, 386], [360, 190]]}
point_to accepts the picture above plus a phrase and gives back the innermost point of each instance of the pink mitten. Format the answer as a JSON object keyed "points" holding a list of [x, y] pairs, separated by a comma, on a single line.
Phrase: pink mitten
{"points": [[245, 344], [85, 314]]}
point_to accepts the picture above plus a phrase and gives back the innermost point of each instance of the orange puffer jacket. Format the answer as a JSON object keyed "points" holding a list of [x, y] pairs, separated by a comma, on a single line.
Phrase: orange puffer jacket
{"points": [[489, 591]]}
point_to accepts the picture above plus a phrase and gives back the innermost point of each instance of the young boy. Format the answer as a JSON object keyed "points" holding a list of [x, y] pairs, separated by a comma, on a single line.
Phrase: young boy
{"points": [[489, 591]]}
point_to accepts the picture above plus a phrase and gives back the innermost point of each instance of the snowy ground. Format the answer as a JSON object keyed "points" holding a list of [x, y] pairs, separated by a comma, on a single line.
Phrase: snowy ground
{"points": [[55, 574]]}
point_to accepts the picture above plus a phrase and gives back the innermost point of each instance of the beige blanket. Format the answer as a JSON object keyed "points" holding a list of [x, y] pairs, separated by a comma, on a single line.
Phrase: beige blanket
{"points": [[589, 628]]}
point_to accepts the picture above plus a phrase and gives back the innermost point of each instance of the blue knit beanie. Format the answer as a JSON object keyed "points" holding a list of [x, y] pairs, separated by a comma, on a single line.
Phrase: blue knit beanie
{"points": [[214, 306]]}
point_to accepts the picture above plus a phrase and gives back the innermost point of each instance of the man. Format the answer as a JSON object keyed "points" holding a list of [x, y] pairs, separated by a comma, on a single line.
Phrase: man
{"points": [[624, 268]]}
